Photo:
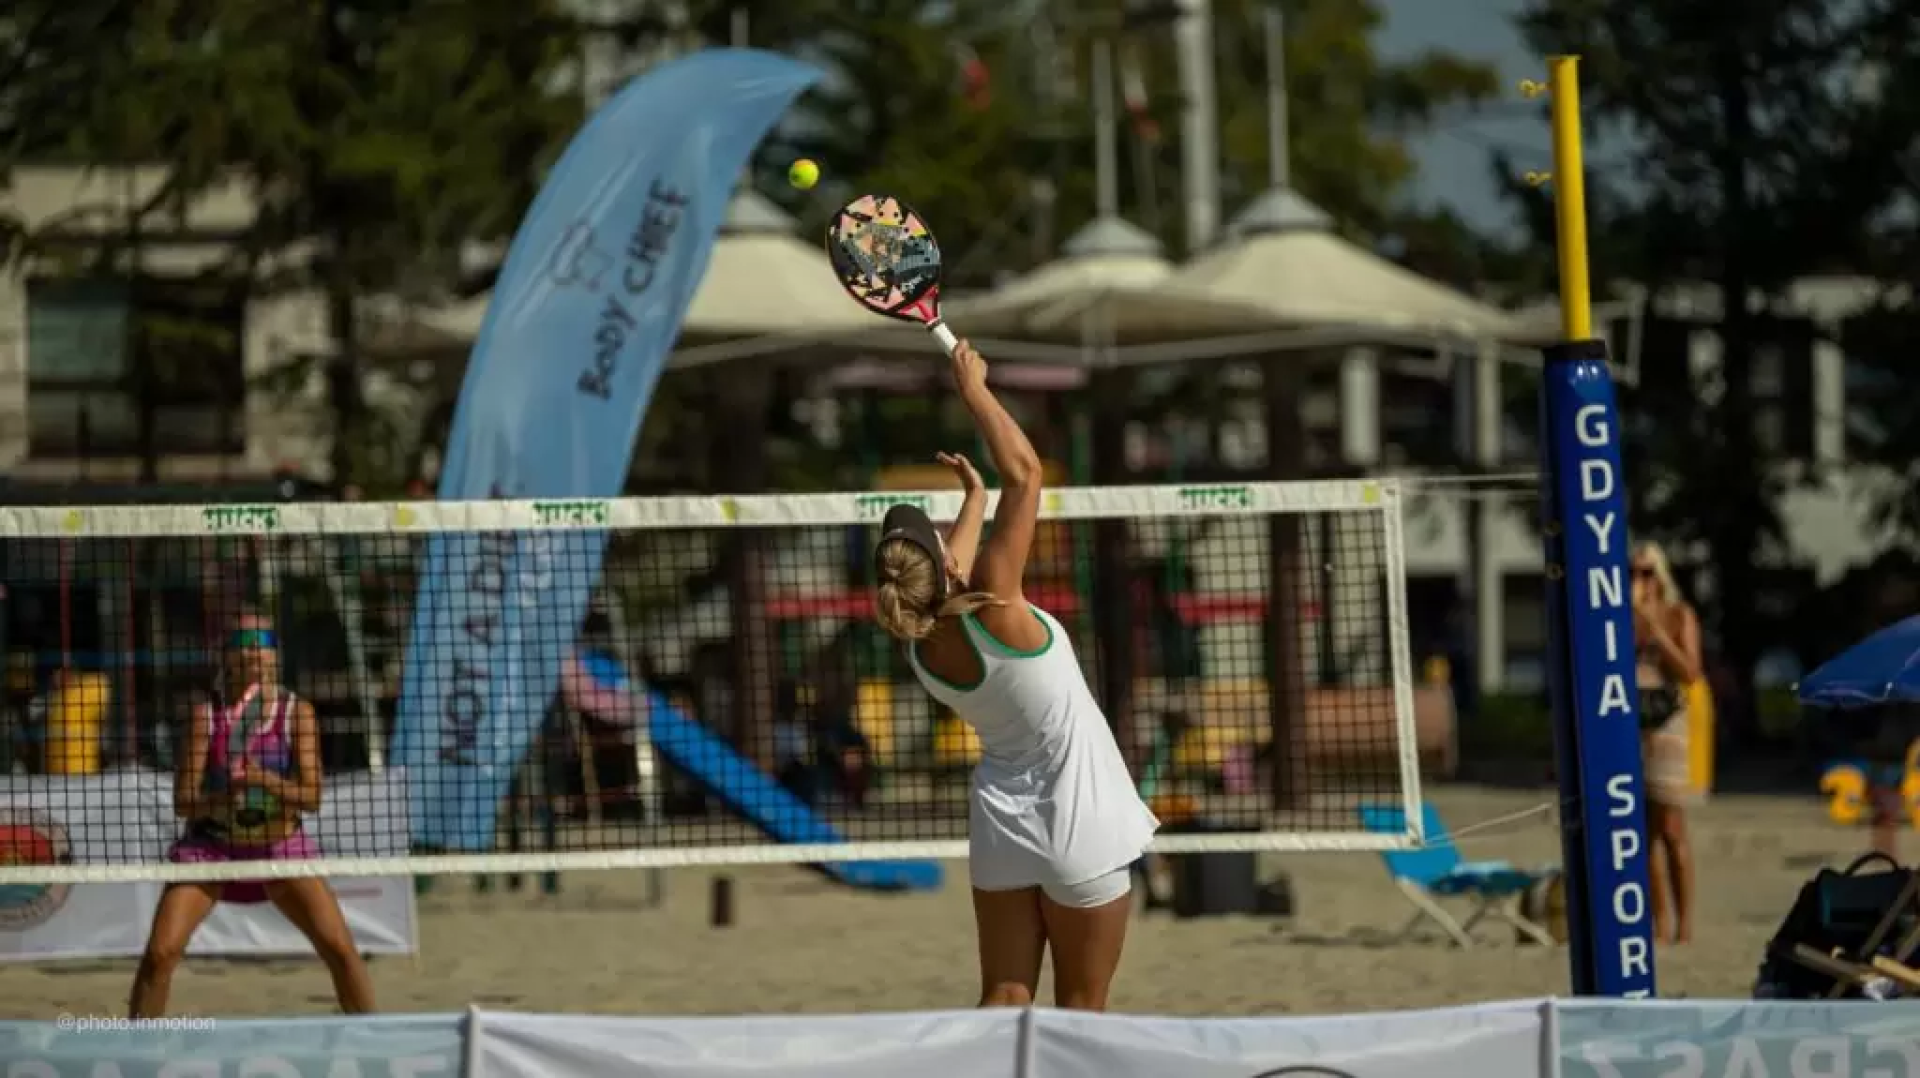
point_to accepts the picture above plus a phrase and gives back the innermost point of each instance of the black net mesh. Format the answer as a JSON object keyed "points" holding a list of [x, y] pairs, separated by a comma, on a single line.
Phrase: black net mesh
{"points": [[723, 687]]}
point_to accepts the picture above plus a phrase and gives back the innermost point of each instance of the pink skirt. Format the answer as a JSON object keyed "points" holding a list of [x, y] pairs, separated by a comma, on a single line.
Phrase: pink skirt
{"points": [[298, 846]]}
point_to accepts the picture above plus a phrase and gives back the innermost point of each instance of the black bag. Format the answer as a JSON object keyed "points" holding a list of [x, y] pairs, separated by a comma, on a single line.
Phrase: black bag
{"points": [[1658, 703], [1835, 910]]}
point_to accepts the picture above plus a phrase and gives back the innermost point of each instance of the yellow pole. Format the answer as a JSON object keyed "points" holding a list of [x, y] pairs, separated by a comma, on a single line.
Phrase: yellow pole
{"points": [[1570, 198]]}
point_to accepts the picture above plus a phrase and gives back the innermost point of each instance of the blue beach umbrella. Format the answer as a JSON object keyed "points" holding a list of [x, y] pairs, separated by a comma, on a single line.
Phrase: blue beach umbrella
{"points": [[1883, 668]]}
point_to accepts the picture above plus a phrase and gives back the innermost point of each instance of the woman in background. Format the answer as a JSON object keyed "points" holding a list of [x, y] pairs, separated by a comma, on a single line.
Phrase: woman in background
{"points": [[1666, 635], [250, 775]]}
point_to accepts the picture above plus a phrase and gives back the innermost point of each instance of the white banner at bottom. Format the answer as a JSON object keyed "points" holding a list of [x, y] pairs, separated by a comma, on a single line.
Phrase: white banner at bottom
{"points": [[952, 1044], [1498, 1040], [127, 817], [1523, 1039], [110, 920], [1495, 1041]]}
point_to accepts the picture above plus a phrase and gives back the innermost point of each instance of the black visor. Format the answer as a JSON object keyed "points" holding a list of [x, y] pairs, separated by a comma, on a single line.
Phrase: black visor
{"points": [[912, 524]]}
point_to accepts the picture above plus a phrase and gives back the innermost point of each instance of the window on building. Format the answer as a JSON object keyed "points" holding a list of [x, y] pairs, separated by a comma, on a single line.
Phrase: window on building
{"points": [[1782, 382], [1779, 371], [1418, 418], [1520, 414], [133, 367], [1525, 619], [1662, 406], [1320, 419], [1878, 345]]}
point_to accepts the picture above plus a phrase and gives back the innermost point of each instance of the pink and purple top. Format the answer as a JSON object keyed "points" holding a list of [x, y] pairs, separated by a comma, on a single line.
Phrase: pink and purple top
{"points": [[250, 731]]}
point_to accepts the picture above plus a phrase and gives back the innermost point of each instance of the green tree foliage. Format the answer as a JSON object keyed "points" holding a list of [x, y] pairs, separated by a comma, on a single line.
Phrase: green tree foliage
{"points": [[898, 114], [1881, 343], [45, 50], [381, 134], [1766, 141], [1350, 111], [377, 136], [1884, 407], [895, 114]]}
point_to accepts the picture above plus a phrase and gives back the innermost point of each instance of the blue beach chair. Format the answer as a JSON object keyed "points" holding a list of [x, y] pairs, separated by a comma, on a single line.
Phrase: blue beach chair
{"points": [[1436, 872]]}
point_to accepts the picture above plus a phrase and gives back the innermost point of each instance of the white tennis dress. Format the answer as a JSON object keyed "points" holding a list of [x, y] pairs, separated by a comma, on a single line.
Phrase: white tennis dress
{"points": [[1053, 803]]}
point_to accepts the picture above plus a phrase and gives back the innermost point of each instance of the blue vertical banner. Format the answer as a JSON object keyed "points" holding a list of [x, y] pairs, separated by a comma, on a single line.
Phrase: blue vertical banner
{"points": [[1591, 675], [587, 307]]}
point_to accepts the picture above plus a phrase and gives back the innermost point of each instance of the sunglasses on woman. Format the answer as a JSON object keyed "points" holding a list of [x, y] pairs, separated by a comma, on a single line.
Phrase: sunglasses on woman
{"points": [[251, 639]]}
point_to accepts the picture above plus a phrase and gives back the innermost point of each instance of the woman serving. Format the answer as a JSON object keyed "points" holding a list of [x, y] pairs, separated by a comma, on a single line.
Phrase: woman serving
{"points": [[250, 775], [1054, 821]]}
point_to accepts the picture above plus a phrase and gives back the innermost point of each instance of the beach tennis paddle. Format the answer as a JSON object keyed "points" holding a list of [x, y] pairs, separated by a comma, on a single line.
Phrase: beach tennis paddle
{"points": [[887, 259]]}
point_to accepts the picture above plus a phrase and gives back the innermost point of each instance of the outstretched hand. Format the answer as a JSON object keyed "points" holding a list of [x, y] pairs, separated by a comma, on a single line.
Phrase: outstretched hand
{"points": [[969, 366], [970, 480]]}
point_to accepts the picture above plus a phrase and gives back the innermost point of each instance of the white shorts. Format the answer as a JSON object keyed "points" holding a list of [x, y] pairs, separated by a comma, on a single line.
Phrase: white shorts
{"points": [[1093, 893], [1088, 894]]}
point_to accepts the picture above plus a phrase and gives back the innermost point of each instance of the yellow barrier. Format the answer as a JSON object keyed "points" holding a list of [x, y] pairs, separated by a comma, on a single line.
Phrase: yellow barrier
{"points": [[1241, 702], [76, 713], [1910, 784], [1700, 737], [873, 717], [955, 745], [1846, 788]]}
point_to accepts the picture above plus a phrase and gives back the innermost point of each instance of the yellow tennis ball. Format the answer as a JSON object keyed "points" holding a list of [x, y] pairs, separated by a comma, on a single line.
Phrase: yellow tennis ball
{"points": [[803, 173]]}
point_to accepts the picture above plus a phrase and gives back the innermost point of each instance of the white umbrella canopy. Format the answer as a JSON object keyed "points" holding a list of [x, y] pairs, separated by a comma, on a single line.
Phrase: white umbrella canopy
{"points": [[1284, 259], [1107, 255], [1109, 267], [458, 321], [761, 281]]}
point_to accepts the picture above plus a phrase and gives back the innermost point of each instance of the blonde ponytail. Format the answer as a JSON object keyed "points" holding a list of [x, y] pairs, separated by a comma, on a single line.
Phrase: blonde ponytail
{"points": [[901, 619], [904, 603], [966, 604]]}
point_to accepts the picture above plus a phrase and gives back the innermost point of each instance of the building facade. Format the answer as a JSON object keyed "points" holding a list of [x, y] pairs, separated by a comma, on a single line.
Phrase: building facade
{"points": [[121, 359]]}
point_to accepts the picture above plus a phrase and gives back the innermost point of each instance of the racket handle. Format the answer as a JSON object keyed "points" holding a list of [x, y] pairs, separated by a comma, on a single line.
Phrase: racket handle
{"points": [[944, 335]]}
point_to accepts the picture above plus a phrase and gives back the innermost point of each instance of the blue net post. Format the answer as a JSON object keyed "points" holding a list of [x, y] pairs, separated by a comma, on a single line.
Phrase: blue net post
{"points": [[1591, 676]]}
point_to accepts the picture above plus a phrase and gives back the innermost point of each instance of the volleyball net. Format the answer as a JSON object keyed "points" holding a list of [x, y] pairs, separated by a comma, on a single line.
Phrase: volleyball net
{"points": [[536, 685]]}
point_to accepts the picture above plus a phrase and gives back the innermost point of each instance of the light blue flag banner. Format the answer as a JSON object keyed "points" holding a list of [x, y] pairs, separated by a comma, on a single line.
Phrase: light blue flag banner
{"points": [[587, 307]]}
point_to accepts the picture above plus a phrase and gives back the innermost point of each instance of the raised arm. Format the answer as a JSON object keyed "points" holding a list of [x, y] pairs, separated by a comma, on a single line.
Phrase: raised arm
{"points": [[1690, 647], [963, 539], [1002, 563]]}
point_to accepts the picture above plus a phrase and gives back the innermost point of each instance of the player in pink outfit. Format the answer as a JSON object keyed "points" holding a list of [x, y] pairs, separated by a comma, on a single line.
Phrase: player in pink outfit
{"points": [[250, 775]]}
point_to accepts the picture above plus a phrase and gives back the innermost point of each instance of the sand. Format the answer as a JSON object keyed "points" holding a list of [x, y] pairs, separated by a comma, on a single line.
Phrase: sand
{"points": [[800, 944]]}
